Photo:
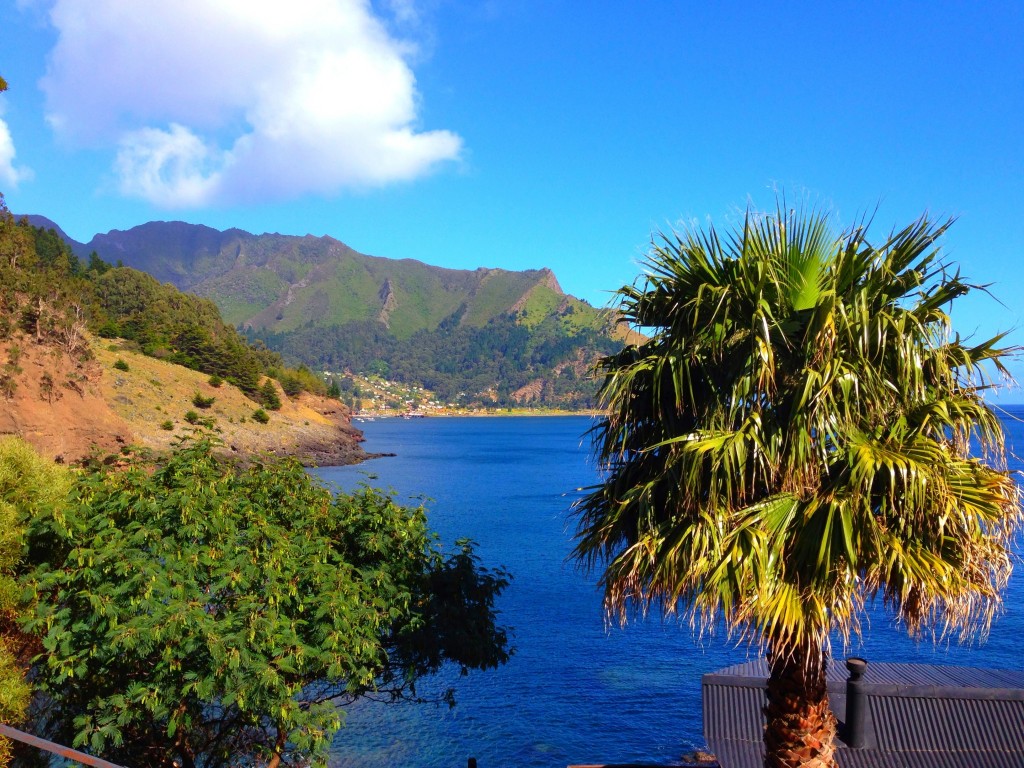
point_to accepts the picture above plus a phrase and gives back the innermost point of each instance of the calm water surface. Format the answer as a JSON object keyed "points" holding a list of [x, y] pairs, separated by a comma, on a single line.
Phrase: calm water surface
{"points": [[575, 691]]}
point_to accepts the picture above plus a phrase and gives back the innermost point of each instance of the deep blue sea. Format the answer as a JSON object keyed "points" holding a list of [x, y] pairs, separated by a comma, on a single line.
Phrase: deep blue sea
{"points": [[576, 691]]}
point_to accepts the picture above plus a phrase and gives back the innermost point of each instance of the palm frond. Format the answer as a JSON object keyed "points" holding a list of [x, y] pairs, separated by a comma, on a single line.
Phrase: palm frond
{"points": [[794, 437]]}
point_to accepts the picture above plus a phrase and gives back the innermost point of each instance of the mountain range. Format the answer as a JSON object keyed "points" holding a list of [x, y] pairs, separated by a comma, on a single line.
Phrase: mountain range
{"points": [[489, 335]]}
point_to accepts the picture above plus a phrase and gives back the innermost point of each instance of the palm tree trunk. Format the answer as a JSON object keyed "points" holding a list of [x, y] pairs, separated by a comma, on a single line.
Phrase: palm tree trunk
{"points": [[800, 728]]}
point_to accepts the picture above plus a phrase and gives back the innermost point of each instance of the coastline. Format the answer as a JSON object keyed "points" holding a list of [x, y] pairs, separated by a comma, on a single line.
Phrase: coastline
{"points": [[496, 413]]}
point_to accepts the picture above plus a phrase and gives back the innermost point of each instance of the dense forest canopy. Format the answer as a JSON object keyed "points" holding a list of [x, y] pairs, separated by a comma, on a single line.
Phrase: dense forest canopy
{"points": [[486, 365]]}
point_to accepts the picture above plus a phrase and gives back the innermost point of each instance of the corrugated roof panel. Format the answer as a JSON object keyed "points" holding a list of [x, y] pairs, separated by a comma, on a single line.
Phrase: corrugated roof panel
{"points": [[914, 723], [737, 754], [1007, 678], [869, 758], [923, 715], [733, 713], [972, 678], [900, 674]]}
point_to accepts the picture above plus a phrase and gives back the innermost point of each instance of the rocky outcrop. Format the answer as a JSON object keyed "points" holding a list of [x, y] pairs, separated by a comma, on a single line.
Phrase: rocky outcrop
{"points": [[388, 302]]}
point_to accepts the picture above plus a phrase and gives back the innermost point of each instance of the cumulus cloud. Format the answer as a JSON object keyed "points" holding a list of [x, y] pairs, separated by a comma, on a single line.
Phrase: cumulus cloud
{"points": [[239, 100], [9, 174]]}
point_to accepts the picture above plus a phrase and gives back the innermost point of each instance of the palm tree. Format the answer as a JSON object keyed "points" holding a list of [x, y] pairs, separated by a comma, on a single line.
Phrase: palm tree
{"points": [[797, 438]]}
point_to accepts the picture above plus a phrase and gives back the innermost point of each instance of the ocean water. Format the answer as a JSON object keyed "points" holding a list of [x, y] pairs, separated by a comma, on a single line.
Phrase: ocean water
{"points": [[576, 690]]}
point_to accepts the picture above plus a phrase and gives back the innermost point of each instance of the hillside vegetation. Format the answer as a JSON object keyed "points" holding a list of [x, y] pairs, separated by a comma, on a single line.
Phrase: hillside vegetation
{"points": [[95, 356], [485, 336]]}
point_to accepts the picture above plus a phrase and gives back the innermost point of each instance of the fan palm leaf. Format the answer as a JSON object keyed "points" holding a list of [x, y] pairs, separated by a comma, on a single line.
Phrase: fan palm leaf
{"points": [[794, 439]]}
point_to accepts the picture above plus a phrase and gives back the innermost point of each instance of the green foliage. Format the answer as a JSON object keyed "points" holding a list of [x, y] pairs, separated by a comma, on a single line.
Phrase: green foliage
{"points": [[46, 387], [202, 402], [192, 417], [195, 612], [291, 386], [27, 482], [259, 415], [177, 327], [267, 396], [108, 329], [120, 364], [167, 426], [97, 265], [215, 381], [301, 379]]}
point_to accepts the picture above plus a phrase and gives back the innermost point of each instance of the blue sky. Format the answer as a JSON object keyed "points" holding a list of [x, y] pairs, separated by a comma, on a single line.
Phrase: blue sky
{"points": [[521, 134]]}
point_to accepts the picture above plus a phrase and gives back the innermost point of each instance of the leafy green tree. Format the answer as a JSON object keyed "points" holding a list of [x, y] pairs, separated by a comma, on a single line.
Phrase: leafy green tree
{"points": [[96, 264], [15, 246], [197, 614], [27, 481], [793, 441]]}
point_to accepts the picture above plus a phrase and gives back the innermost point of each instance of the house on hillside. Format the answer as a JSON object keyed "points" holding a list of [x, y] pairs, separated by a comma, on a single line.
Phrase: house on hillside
{"points": [[890, 715]]}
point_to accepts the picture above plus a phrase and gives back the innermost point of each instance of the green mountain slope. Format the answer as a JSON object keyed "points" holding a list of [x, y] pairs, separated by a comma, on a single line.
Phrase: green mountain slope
{"points": [[279, 283], [493, 335]]}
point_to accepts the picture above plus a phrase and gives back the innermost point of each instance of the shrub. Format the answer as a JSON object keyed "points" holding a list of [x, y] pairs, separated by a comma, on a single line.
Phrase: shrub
{"points": [[27, 483], [202, 402], [291, 385], [260, 415], [268, 396], [167, 425], [120, 364], [215, 381], [192, 417], [46, 387], [109, 330]]}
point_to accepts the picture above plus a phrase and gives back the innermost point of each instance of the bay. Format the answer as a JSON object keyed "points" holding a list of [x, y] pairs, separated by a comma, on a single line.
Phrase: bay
{"points": [[576, 690]]}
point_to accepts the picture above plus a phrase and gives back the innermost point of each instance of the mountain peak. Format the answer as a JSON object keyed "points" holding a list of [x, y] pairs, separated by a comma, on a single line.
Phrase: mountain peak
{"points": [[551, 281]]}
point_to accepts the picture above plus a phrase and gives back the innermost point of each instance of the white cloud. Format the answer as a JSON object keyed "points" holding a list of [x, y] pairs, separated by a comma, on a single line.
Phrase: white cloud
{"points": [[239, 99], [169, 168], [9, 175]]}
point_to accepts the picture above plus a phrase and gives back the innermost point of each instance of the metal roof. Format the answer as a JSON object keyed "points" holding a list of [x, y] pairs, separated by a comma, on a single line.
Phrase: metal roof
{"points": [[917, 715]]}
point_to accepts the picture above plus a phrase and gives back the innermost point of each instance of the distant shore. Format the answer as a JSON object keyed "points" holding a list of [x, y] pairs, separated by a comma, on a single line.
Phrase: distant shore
{"points": [[365, 416]]}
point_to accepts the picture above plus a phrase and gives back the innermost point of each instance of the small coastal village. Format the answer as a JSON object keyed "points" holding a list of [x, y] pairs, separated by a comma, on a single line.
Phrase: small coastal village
{"points": [[375, 397]]}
